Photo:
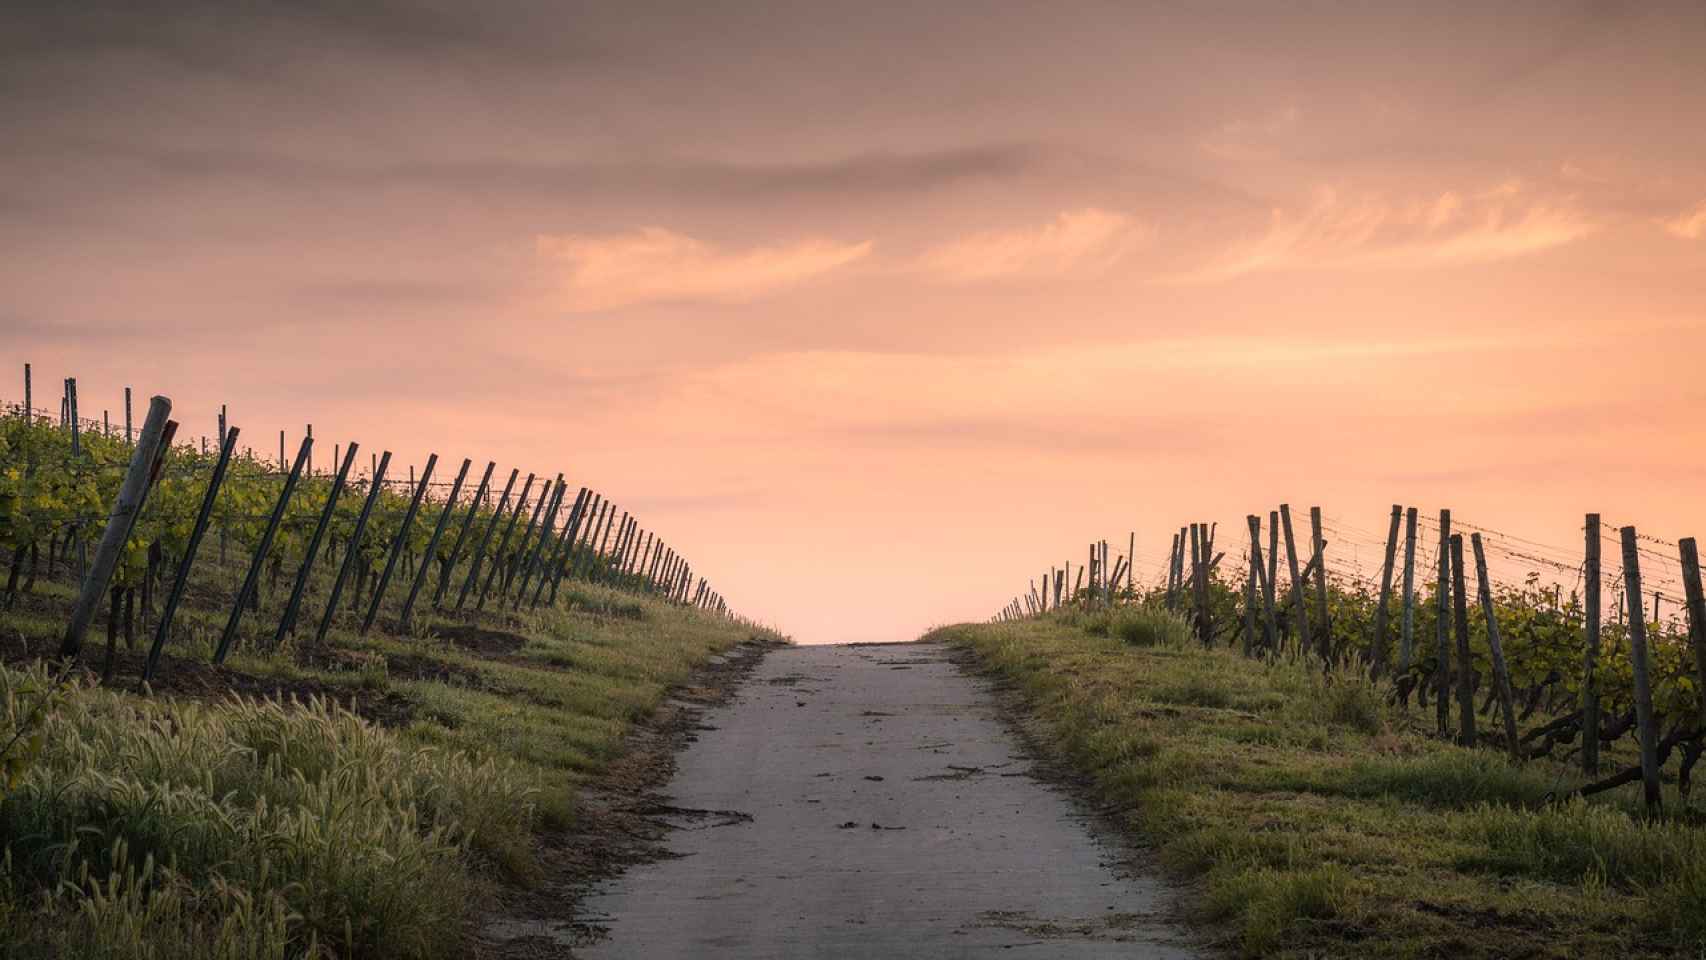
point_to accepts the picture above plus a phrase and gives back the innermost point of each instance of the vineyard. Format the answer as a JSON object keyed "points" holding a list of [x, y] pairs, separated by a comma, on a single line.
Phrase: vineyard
{"points": [[1478, 649], [1441, 741], [306, 541], [255, 708]]}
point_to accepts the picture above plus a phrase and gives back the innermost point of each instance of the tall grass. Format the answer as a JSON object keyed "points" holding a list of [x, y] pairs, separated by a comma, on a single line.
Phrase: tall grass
{"points": [[243, 829]]}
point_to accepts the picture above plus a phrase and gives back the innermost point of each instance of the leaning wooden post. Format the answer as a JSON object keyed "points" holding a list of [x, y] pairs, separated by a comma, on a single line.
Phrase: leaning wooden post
{"points": [[1442, 624], [1131, 563], [534, 558], [486, 539], [603, 550], [353, 547], [1250, 577], [509, 532], [1407, 616], [1172, 565], [432, 546], [1501, 675], [1296, 600], [560, 562], [1380, 612], [1320, 546], [588, 535], [589, 547], [1269, 635], [397, 544], [462, 535], [1695, 606], [133, 492], [1590, 665], [1460, 620], [287, 622], [230, 635], [176, 594]]}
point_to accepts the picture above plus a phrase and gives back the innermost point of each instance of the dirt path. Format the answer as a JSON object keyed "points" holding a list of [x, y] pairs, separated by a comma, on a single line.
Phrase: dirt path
{"points": [[867, 802]]}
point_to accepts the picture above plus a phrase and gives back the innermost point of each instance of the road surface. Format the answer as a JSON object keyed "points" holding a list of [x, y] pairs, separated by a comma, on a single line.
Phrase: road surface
{"points": [[866, 801]]}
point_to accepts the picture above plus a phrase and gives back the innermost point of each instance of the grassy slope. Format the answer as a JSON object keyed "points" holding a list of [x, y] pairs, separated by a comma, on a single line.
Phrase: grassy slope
{"points": [[1321, 821], [377, 841]]}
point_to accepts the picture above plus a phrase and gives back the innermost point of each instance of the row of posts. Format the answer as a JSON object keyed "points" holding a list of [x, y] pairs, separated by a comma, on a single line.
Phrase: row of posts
{"points": [[590, 533]]}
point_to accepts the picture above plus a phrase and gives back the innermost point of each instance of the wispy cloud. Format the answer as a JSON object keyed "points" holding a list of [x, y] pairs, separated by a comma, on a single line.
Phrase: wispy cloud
{"points": [[1689, 225], [1341, 230], [1078, 239], [652, 264]]}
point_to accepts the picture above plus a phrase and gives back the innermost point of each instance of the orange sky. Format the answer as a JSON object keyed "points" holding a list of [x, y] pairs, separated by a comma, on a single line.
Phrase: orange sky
{"points": [[874, 311]]}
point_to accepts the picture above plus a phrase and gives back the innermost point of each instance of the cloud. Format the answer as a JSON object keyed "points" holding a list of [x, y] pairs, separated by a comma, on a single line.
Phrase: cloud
{"points": [[1339, 230], [1088, 238], [655, 265], [1689, 225]]}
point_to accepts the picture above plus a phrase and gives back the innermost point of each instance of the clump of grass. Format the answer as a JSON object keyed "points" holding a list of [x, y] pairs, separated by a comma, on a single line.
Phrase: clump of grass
{"points": [[1139, 625], [1594, 845], [141, 816], [604, 603], [1268, 903]]}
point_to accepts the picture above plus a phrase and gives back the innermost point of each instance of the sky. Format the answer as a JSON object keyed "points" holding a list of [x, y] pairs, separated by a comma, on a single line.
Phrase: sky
{"points": [[877, 310]]}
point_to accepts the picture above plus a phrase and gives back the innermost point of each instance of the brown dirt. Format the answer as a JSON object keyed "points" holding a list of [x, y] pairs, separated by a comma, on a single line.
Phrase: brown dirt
{"points": [[620, 819], [482, 641]]}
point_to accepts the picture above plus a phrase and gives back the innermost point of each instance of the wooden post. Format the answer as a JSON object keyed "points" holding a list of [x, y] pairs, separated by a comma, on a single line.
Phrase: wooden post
{"points": [[248, 587], [1695, 606], [509, 532], [1250, 577], [132, 494], [1196, 565], [603, 551], [287, 622], [1320, 546], [282, 465], [1131, 563], [1269, 638], [129, 434], [29, 397], [428, 555], [1407, 618], [1172, 566], [560, 563], [1380, 612], [486, 539], [1590, 666], [1297, 598], [517, 560], [397, 544], [308, 431], [187, 561], [589, 546], [1205, 550], [558, 489], [1442, 623], [462, 534], [353, 547], [1460, 620], [1501, 675]]}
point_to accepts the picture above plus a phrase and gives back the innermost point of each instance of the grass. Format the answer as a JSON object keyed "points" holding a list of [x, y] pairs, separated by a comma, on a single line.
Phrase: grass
{"points": [[218, 826], [1311, 818]]}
